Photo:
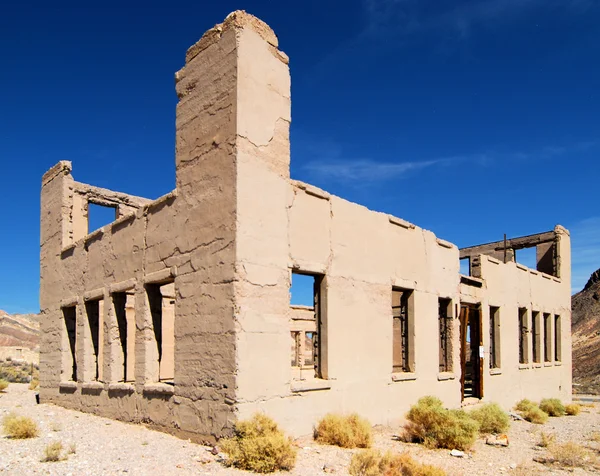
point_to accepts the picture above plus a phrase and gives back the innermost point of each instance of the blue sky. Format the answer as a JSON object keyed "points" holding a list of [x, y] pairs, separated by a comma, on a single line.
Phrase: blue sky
{"points": [[469, 118]]}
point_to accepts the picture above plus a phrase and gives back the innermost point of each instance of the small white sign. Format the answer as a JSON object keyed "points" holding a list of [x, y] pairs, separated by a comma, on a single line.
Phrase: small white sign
{"points": [[481, 352]]}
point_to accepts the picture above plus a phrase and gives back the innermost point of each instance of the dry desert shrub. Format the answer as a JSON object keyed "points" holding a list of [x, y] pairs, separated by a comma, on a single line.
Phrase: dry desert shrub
{"points": [[19, 427], [531, 412], [372, 463], [437, 427], [552, 406], [3, 385], [346, 431], [34, 384], [52, 452], [572, 409], [524, 405], [259, 445], [491, 418], [546, 439], [595, 436], [571, 455]]}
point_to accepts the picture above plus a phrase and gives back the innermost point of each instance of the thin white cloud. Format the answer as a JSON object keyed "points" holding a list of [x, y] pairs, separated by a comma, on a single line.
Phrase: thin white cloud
{"points": [[406, 17], [367, 170], [585, 251], [331, 164]]}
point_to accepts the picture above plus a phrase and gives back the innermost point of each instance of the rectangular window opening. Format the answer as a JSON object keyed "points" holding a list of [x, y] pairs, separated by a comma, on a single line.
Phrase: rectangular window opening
{"points": [[494, 337], [527, 257], [547, 338], [306, 326], [100, 215], [465, 266], [124, 305], [536, 336], [69, 367], [95, 348], [445, 334], [523, 336], [161, 298], [557, 339], [402, 328]]}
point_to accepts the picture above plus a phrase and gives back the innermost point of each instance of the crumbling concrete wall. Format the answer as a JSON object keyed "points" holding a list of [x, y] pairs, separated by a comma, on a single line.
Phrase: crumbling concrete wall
{"points": [[223, 246]]}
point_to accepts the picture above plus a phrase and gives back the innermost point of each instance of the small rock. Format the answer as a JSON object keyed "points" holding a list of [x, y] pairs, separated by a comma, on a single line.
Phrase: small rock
{"points": [[328, 469], [214, 450], [500, 440], [307, 448], [204, 459], [513, 465], [516, 416], [457, 453]]}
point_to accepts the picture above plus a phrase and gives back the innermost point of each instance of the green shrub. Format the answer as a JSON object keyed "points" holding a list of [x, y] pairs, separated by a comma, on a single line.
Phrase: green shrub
{"points": [[349, 431], [552, 406], [373, 463], [535, 415], [52, 452], [491, 418], [3, 385], [436, 427], [19, 427], [524, 405], [572, 409], [260, 446]]}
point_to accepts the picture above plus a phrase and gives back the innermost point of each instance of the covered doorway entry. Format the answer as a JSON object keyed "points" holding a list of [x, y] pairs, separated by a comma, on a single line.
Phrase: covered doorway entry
{"points": [[471, 351]]}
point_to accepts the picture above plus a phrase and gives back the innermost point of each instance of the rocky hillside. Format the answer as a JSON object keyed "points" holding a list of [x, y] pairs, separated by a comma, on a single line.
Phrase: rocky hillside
{"points": [[19, 330], [586, 337]]}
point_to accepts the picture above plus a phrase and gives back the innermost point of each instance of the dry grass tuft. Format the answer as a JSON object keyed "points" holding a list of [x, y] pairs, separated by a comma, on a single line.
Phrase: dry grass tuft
{"points": [[349, 431], [34, 384], [571, 455], [436, 427], [491, 418], [572, 409], [546, 439], [553, 407], [52, 453], [3, 385], [595, 436], [19, 427], [260, 446], [373, 463]]}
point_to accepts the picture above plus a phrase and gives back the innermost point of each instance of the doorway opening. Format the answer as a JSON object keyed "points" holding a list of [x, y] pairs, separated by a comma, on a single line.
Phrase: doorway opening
{"points": [[471, 351]]}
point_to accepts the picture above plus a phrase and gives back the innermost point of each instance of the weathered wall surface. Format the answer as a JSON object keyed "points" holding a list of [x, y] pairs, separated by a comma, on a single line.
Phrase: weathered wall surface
{"points": [[228, 238]]}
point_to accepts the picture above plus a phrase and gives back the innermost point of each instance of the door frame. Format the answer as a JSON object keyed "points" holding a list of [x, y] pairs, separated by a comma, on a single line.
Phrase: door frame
{"points": [[471, 313]]}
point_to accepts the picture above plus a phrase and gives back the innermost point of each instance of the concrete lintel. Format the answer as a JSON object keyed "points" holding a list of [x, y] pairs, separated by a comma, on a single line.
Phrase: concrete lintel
{"points": [[68, 385], [159, 388], [400, 222], [92, 386], [68, 302], [94, 294], [307, 267], [161, 276], [106, 197], [310, 385], [123, 286], [121, 387], [444, 243], [403, 283], [403, 376], [495, 371], [446, 376]]}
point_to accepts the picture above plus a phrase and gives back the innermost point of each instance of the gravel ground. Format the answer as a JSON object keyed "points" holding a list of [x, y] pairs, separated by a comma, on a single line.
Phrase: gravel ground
{"points": [[108, 447]]}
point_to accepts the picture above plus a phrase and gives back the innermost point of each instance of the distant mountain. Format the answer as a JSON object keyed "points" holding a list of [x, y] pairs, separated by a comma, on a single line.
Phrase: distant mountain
{"points": [[19, 330], [585, 327]]}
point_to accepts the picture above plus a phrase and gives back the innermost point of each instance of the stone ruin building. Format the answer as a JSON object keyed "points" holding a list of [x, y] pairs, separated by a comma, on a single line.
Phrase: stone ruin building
{"points": [[178, 313]]}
